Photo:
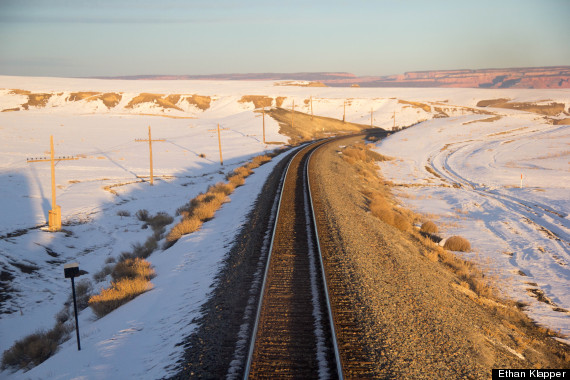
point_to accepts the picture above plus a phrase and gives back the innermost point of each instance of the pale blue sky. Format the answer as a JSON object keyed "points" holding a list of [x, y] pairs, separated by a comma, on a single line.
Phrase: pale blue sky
{"points": [[78, 38]]}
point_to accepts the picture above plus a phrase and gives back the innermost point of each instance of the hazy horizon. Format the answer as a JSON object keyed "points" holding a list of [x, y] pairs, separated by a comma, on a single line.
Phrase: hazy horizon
{"points": [[60, 38]]}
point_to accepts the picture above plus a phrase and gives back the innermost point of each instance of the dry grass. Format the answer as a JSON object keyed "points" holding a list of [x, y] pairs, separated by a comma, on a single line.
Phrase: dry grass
{"points": [[204, 206], [259, 101], [118, 294], [159, 99], [457, 243], [202, 102], [550, 109], [422, 106], [429, 227], [131, 269]]}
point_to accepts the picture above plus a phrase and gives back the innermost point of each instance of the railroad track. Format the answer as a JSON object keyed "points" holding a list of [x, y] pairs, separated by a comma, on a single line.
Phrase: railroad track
{"points": [[293, 335]]}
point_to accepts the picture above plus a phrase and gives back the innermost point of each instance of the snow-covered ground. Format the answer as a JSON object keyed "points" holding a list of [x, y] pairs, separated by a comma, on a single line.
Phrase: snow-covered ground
{"points": [[139, 339], [465, 174]]}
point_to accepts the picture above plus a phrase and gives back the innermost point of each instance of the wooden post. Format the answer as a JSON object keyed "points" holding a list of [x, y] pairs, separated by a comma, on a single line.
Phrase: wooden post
{"points": [[150, 140], [220, 145], [344, 112], [54, 215], [263, 125]]}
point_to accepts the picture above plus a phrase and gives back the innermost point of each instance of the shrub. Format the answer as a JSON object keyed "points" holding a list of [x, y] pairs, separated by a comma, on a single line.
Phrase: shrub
{"points": [[118, 294], [186, 226], [429, 227], [160, 220], [146, 249], [34, 349], [103, 273], [122, 213], [382, 209], [131, 269], [83, 291], [142, 215], [220, 187], [236, 180], [401, 222], [457, 243]]}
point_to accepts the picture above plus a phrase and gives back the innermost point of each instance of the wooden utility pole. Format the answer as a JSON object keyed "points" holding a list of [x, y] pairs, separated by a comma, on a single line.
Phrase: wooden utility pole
{"points": [[344, 112], [54, 215], [292, 113], [220, 140], [263, 124], [150, 140], [311, 107]]}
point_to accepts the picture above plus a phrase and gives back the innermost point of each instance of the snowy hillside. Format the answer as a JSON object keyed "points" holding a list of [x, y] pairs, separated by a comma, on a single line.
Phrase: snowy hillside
{"points": [[98, 121]]}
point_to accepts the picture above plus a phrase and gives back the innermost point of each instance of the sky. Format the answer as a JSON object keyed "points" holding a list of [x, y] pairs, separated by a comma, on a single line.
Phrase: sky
{"points": [[78, 38]]}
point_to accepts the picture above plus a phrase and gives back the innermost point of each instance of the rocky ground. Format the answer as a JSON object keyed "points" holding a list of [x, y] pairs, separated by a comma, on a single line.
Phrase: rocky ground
{"points": [[419, 322]]}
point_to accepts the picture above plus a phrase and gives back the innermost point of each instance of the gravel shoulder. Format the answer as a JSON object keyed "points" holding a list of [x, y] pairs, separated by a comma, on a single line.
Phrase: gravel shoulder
{"points": [[417, 319]]}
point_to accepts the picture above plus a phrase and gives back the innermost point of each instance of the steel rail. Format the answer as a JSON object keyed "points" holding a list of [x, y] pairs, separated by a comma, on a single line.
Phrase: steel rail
{"points": [[326, 287], [328, 305], [262, 291]]}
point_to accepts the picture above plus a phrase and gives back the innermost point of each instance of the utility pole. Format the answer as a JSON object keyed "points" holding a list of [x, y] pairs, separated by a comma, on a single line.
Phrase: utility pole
{"points": [[54, 215], [150, 140], [220, 140], [311, 107], [344, 112]]}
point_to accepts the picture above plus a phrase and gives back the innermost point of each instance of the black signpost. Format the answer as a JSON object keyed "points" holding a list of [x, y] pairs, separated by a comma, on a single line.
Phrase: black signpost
{"points": [[72, 271]]}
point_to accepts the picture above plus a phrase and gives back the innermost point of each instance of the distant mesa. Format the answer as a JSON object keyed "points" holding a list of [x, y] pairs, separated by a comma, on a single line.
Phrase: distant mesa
{"points": [[529, 77]]}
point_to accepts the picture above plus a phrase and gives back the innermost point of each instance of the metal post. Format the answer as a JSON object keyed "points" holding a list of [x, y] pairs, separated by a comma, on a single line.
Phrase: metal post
{"points": [[75, 309]]}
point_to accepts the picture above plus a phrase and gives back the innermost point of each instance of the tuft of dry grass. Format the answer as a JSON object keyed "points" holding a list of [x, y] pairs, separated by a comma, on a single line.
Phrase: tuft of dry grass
{"points": [[457, 243], [118, 294], [429, 227], [132, 268], [204, 206]]}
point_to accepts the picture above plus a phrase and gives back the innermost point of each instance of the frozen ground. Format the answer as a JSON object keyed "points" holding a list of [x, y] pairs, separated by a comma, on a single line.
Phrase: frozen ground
{"points": [[139, 339], [465, 174]]}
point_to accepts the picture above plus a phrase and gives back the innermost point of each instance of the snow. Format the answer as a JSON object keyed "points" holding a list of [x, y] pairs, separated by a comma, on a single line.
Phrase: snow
{"points": [[473, 189], [139, 340]]}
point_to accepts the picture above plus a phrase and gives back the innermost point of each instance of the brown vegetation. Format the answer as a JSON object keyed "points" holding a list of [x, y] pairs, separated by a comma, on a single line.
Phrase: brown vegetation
{"points": [[550, 109], [159, 99], [422, 106], [429, 227], [259, 101], [204, 206], [200, 101], [457, 243], [307, 127]]}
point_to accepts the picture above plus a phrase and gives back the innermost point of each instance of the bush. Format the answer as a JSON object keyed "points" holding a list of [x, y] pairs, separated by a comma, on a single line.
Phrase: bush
{"points": [[103, 273], [122, 213], [220, 187], [132, 268], [160, 220], [429, 227], [83, 291], [401, 222], [118, 294], [131, 278], [457, 243], [34, 349], [142, 215], [382, 209], [186, 226]]}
